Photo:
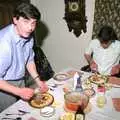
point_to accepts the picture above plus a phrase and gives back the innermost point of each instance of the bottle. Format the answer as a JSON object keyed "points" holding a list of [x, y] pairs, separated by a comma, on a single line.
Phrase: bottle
{"points": [[80, 115], [79, 85], [101, 99]]}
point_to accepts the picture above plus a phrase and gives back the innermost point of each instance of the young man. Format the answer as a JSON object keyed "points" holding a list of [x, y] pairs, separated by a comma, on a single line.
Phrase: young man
{"points": [[16, 55], [103, 54]]}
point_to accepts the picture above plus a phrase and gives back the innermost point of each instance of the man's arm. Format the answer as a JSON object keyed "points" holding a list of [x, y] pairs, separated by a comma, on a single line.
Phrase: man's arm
{"points": [[115, 70], [5, 86], [24, 93], [31, 67], [91, 62], [88, 58]]}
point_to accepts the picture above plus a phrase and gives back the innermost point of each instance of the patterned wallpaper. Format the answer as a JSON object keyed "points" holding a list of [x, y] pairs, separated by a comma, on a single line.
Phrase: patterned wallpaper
{"points": [[107, 12]]}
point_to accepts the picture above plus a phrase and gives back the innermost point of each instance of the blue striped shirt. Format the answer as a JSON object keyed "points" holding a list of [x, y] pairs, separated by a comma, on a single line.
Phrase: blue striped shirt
{"points": [[15, 53]]}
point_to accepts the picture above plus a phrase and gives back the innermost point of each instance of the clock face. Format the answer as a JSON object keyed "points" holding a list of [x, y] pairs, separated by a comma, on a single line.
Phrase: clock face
{"points": [[73, 6]]}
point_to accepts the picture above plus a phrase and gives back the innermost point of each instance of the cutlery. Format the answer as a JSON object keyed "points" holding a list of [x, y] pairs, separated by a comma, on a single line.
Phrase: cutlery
{"points": [[7, 114], [22, 112], [51, 88], [7, 118], [53, 85]]}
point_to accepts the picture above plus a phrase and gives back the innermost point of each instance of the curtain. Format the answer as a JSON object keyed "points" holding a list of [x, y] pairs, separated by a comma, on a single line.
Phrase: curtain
{"points": [[107, 12]]}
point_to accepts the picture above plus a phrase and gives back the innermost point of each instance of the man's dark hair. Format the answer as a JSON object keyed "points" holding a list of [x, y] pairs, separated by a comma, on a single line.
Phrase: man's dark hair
{"points": [[27, 11], [107, 34]]}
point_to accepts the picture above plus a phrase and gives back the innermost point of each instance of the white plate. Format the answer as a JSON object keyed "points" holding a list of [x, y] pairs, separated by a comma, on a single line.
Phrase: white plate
{"points": [[47, 111], [61, 77]]}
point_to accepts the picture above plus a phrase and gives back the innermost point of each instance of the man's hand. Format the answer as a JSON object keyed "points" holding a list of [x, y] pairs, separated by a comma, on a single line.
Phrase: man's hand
{"points": [[43, 86], [93, 66], [91, 62], [25, 93], [115, 69]]}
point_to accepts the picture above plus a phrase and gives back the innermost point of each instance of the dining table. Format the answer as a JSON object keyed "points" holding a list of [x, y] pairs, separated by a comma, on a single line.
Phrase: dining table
{"points": [[108, 112]]}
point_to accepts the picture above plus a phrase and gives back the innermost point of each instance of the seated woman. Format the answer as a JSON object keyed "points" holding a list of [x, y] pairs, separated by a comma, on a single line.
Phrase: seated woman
{"points": [[103, 53]]}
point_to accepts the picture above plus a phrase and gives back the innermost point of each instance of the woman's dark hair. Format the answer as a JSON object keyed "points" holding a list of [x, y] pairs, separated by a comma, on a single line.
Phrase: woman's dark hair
{"points": [[27, 11], [107, 34]]}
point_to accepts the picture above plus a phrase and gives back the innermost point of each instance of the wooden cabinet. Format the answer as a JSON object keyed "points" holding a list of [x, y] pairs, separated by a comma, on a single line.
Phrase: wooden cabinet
{"points": [[6, 10]]}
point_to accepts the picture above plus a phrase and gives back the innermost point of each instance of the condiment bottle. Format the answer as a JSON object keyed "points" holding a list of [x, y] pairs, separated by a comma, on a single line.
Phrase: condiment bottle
{"points": [[79, 85], [101, 99], [80, 115]]}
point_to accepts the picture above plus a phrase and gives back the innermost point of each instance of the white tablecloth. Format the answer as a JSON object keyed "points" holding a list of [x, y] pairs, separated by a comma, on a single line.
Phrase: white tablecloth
{"points": [[106, 113]]}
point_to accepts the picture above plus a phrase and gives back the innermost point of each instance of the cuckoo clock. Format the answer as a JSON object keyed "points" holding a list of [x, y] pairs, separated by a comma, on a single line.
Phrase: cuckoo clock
{"points": [[75, 16]]}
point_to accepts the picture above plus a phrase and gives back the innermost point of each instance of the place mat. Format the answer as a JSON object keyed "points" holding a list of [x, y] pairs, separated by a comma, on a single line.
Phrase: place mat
{"points": [[116, 103], [114, 80]]}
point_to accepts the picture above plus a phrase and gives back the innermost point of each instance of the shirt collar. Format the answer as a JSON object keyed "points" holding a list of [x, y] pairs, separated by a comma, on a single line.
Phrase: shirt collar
{"points": [[17, 38]]}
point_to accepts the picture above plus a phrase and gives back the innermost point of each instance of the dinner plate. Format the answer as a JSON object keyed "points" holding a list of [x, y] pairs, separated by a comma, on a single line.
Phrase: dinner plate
{"points": [[41, 100], [61, 77], [98, 79]]}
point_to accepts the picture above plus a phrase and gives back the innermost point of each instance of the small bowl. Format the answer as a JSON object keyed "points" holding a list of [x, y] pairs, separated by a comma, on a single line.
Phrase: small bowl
{"points": [[74, 100]]}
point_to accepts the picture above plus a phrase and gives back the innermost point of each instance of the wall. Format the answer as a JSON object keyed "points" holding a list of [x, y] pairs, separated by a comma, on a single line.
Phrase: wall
{"points": [[61, 47]]}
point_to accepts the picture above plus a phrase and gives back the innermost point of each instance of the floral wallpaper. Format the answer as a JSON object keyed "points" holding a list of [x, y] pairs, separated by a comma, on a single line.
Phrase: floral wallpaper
{"points": [[107, 12]]}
